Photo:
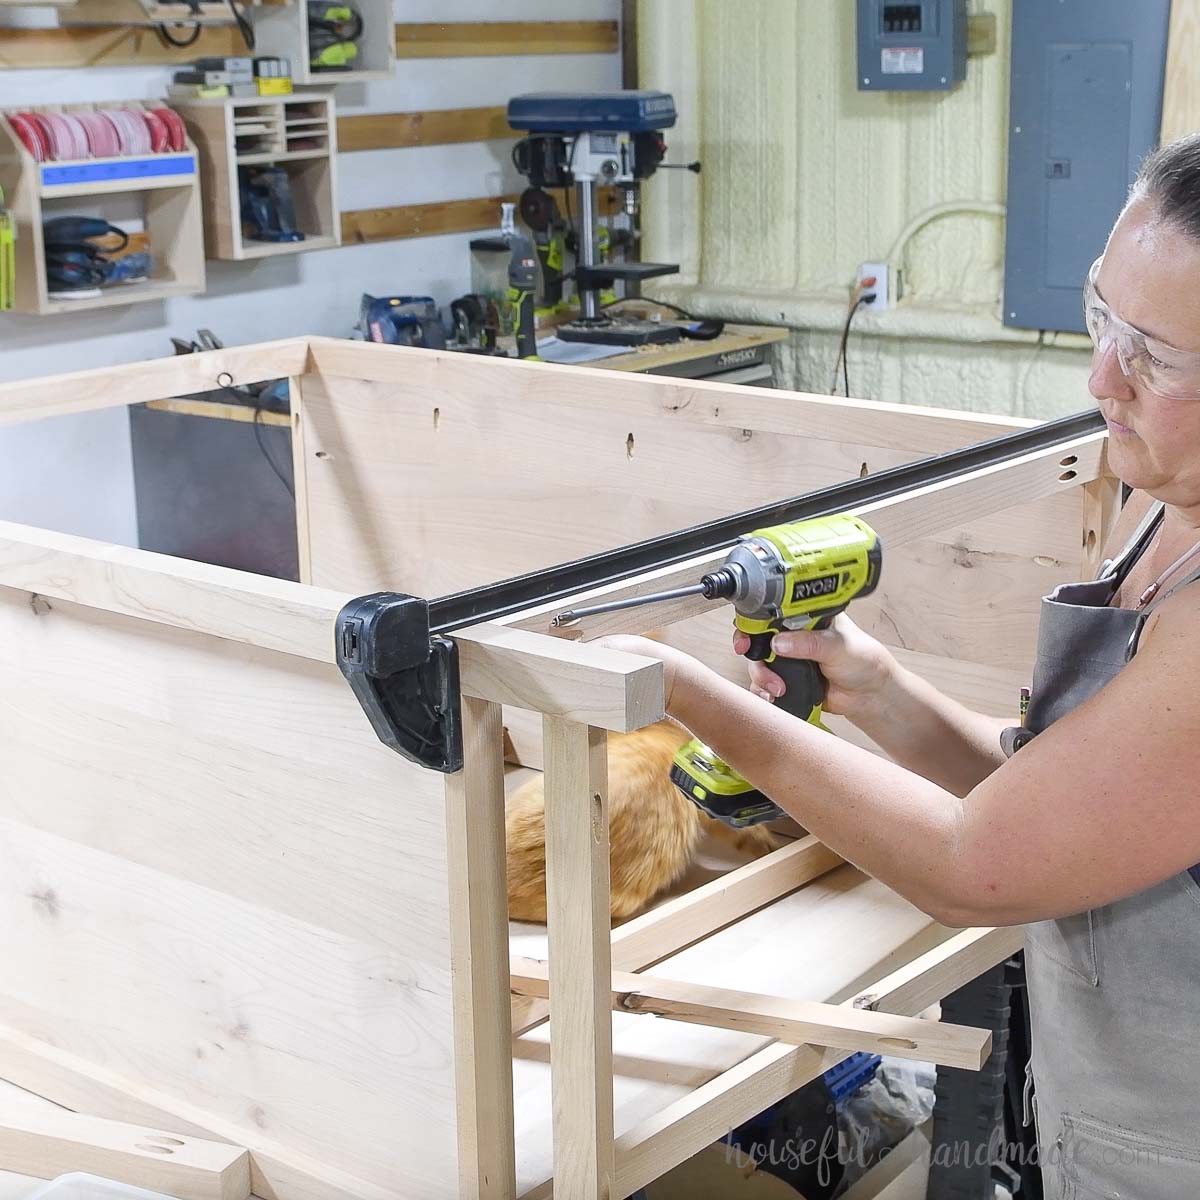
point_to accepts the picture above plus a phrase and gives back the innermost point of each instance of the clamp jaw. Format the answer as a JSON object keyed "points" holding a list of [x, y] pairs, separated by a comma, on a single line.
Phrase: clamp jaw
{"points": [[405, 679]]}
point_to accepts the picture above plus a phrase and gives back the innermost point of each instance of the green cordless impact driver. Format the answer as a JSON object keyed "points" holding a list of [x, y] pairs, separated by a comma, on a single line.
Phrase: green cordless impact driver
{"points": [[786, 577]]}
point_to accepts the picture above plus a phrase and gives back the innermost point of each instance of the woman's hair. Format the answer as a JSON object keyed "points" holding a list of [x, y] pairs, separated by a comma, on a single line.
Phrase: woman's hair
{"points": [[1170, 177]]}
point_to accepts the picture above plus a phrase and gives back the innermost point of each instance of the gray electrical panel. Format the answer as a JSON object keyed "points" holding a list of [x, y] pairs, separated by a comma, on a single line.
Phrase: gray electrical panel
{"points": [[914, 47], [1087, 85]]}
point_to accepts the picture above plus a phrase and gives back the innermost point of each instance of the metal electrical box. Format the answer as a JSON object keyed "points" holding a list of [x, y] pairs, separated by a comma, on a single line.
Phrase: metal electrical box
{"points": [[1087, 86], [914, 47]]}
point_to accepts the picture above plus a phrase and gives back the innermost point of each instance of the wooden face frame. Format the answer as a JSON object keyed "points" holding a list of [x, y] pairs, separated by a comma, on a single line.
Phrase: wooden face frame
{"points": [[357, 411]]}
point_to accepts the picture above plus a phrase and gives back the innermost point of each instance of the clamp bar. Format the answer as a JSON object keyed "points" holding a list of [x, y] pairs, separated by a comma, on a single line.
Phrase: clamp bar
{"points": [[492, 602]]}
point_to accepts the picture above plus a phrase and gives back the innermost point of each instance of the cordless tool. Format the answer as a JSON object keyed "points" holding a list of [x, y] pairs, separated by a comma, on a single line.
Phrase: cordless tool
{"points": [[334, 31], [786, 577], [522, 282]]}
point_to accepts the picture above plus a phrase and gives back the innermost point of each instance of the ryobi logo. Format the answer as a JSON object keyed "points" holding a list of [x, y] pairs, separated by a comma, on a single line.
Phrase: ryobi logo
{"points": [[806, 589]]}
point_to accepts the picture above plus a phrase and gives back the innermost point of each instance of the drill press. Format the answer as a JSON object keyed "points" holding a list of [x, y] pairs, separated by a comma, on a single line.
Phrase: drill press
{"points": [[583, 140]]}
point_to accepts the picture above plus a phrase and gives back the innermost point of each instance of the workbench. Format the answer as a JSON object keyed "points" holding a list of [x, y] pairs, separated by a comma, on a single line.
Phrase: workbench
{"points": [[739, 354]]}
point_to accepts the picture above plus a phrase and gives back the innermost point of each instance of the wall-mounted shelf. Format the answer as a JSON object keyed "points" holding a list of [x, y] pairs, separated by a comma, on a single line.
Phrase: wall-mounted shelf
{"points": [[296, 132], [284, 30], [160, 191], [145, 12]]}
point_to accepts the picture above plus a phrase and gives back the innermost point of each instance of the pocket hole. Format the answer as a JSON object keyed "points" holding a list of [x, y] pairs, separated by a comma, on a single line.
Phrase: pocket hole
{"points": [[863, 472], [163, 1140], [153, 1149], [1069, 461], [629, 446], [1067, 476], [437, 417], [321, 454], [903, 1043]]}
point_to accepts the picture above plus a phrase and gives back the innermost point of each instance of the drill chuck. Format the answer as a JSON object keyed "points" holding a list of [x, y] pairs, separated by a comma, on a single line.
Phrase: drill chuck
{"points": [[721, 584]]}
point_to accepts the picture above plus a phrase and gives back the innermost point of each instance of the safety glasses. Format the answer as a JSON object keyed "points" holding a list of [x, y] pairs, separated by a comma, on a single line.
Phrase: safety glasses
{"points": [[1173, 374]]}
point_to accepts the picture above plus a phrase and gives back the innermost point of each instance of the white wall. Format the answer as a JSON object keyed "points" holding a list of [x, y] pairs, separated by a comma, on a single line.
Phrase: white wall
{"points": [[74, 474], [805, 177]]}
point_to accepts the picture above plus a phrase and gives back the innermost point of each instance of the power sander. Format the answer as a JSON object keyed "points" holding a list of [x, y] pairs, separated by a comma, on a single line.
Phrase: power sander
{"points": [[785, 577]]}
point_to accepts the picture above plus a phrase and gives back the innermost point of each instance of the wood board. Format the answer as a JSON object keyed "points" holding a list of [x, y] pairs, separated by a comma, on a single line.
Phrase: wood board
{"points": [[251, 853]]}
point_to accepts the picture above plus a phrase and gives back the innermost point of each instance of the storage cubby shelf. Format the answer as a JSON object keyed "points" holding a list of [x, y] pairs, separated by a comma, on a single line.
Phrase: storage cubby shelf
{"points": [[283, 29], [258, 131], [167, 186]]}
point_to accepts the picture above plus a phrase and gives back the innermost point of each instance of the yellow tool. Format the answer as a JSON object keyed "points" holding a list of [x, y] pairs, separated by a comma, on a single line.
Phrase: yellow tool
{"points": [[795, 576], [8, 266]]}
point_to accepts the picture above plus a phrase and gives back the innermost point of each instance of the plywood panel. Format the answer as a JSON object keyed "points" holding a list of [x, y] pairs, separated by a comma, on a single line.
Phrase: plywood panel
{"points": [[405, 478], [208, 842]]}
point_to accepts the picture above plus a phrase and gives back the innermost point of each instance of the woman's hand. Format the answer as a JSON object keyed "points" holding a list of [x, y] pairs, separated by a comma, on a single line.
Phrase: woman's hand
{"points": [[856, 667]]}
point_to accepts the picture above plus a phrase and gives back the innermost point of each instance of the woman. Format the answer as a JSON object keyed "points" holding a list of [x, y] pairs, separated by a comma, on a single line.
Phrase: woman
{"points": [[1088, 834]]}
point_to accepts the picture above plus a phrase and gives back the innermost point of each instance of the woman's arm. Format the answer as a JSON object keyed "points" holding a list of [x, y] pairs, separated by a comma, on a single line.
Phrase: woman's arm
{"points": [[1101, 805]]}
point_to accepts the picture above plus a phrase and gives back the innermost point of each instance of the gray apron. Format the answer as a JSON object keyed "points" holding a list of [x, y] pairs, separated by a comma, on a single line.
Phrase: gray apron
{"points": [[1114, 992]]}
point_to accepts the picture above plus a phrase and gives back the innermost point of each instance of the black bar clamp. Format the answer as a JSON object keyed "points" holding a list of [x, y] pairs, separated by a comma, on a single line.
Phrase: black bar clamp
{"points": [[405, 679]]}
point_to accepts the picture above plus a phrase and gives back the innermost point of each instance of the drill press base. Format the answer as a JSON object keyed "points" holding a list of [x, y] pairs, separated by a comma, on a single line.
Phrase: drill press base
{"points": [[619, 331]]}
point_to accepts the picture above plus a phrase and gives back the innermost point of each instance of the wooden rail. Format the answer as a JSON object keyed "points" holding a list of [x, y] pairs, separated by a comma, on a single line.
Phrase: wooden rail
{"points": [[440, 216], [126, 46], [438, 127], [422, 220]]}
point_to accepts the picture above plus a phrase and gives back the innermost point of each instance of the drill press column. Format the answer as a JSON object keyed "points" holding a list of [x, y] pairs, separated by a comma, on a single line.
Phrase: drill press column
{"points": [[589, 299]]}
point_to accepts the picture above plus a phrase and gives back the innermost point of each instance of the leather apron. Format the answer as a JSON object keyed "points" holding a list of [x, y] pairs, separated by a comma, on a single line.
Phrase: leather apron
{"points": [[1114, 992]]}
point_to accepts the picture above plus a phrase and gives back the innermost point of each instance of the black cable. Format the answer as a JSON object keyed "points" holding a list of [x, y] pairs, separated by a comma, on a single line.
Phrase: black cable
{"points": [[683, 312], [247, 30], [842, 360], [262, 445], [846, 357], [243, 398], [166, 35]]}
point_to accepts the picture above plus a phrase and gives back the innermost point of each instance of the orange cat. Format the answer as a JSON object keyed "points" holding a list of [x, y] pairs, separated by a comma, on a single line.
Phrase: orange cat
{"points": [[653, 828]]}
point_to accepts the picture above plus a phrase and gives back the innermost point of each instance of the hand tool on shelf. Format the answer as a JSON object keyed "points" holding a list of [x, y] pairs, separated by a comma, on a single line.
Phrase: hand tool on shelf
{"points": [[334, 31], [522, 283], [402, 321], [783, 577], [8, 264], [540, 212], [268, 213]]}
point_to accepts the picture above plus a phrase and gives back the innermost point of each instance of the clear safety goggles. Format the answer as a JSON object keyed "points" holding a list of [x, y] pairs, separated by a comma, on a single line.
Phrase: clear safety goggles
{"points": [[1174, 374]]}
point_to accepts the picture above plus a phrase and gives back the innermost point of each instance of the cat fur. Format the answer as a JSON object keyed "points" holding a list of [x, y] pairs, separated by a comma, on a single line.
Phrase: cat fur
{"points": [[654, 830]]}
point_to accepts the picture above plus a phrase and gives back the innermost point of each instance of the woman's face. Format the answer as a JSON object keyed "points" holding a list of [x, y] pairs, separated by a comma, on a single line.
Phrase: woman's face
{"points": [[1148, 278]]}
